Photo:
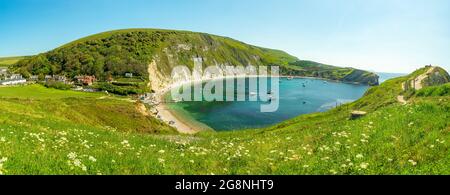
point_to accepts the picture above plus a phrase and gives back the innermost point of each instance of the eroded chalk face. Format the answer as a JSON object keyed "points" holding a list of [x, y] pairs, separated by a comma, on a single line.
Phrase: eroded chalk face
{"points": [[221, 83]]}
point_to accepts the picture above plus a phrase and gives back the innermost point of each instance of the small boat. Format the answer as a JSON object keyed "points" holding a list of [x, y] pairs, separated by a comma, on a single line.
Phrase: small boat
{"points": [[290, 77], [271, 98], [253, 93]]}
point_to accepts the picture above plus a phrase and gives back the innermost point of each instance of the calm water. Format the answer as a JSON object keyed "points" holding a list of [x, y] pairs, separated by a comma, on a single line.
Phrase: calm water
{"points": [[386, 76], [296, 97]]}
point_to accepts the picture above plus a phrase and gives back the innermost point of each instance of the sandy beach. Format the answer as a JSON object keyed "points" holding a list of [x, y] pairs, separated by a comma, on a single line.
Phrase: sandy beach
{"points": [[166, 115]]}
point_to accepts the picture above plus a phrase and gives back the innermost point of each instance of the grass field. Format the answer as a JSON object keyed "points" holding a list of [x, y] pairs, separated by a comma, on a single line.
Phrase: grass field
{"points": [[7, 61], [40, 92], [49, 134]]}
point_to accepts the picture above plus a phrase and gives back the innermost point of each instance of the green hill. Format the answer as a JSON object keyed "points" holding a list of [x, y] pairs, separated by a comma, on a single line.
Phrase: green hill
{"points": [[151, 54], [40, 135], [314, 69], [8, 61]]}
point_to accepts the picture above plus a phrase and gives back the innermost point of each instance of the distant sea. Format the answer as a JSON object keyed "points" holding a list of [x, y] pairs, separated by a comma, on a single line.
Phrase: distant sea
{"points": [[384, 76]]}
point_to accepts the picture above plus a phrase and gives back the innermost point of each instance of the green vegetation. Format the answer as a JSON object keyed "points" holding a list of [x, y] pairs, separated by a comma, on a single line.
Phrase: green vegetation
{"points": [[57, 85], [40, 92], [442, 90], [89, 134], [314, 69], [95, 109], [112, 54], [121, 88], [8, 61]]}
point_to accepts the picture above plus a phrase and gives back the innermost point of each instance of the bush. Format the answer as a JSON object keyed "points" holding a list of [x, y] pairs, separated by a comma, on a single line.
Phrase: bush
{"points": [[117, 89], [57, 85], [442, 90], [125, 84]]}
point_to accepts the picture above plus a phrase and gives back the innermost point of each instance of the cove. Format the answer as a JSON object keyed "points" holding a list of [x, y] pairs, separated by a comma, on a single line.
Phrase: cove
{"points": [[297, 96]]}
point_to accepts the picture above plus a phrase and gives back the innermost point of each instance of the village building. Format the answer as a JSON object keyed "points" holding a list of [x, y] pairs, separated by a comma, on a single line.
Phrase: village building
{"points": [[15, 76], [13, 81], [48, 78], [129, 75], [34, 78], [85, 80], [3, 71]]}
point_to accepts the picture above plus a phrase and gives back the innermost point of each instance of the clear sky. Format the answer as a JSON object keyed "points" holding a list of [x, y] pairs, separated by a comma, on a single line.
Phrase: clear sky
{"points": [[379, 35]]}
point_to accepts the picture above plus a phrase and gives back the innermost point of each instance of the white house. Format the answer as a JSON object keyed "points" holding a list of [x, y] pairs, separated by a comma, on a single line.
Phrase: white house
{"points": [[3, 71], [129, 75], [15, 76], [13, 81]]}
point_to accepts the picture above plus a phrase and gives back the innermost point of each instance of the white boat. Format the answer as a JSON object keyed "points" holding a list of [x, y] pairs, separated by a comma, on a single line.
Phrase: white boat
{"points": [[253, 93]]}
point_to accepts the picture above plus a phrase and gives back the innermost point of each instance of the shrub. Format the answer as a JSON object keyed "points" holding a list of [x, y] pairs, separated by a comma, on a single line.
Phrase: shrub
{"points": [[57, 85], [120, 90]]}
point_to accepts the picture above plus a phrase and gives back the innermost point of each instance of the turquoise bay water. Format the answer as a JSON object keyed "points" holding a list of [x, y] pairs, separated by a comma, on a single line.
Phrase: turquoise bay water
{"points": [[296, 97]]}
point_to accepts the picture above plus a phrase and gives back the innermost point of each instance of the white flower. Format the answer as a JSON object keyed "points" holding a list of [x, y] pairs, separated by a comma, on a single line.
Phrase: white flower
{"points": [[91, 158], [2, 160], [161, 160], [364, 165], [72, 155], [413, 163], [161, 151], [77, 162], [359, 156], [2, 139], [191, 161], [125, 143]]}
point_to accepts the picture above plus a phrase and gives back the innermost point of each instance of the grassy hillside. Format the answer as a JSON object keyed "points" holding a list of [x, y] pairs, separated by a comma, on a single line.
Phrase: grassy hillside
{"points": [[8, 61], [95, 109], [112, 54], [391, 139], [442, 90], [314, 69]]}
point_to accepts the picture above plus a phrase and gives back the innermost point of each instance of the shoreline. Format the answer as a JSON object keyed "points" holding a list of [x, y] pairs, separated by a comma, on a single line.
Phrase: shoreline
{"points": [[185, 126], [181, 124]]}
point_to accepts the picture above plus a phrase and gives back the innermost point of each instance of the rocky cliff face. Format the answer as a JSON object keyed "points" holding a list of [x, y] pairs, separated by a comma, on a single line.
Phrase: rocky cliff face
{"points": [[426, 77]]}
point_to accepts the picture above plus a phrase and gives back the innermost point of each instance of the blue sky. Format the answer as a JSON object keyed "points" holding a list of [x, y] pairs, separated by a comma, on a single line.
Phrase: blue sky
{"points": [[379, 35]]}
